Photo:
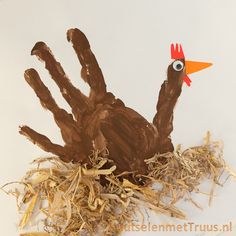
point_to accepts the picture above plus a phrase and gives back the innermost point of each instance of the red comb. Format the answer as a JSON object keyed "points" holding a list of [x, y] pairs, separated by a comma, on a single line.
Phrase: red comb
{"points": [[176, 51]]}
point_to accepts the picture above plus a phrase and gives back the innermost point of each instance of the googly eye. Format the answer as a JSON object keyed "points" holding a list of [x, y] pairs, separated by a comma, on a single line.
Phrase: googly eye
{"points": [[178, 65]]}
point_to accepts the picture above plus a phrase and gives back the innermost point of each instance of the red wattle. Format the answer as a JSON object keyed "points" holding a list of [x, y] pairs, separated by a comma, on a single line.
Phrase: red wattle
{"points": [[187, 80]]}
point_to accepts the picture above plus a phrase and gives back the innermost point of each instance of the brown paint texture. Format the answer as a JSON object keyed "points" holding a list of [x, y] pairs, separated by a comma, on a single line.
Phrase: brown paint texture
{"points": [[101, 121]]}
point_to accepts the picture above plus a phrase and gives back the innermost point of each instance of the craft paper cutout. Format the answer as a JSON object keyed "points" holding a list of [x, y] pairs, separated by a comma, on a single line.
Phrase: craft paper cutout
{"points": [[188, 66]]}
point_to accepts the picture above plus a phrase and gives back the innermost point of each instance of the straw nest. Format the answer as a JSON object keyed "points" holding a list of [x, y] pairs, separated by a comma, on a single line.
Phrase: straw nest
{"points": [[70, 199]]}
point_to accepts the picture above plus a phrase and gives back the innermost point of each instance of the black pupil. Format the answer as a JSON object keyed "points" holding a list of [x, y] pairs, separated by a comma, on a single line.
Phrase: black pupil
{"points": [[179, 66]]}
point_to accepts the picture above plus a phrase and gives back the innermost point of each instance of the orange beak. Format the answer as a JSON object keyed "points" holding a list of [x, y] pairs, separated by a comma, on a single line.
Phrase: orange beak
{"points": [[194, 66]]}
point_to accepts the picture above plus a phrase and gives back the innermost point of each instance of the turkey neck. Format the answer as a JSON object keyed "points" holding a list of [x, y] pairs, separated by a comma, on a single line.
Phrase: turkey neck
{"points": [[163, 120]]}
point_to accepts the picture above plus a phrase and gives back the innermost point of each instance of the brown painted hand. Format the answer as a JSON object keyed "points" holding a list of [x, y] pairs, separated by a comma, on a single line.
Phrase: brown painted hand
{"points": [[99, 121]]}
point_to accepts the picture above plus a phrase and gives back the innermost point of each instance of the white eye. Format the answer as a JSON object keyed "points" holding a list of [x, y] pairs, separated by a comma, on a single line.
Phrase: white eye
{"points": [[178, 65]]}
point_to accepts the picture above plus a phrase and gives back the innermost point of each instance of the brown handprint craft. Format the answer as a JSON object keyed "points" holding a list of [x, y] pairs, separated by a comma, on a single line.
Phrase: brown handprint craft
{"points": [[101, 121], [113, 162]]}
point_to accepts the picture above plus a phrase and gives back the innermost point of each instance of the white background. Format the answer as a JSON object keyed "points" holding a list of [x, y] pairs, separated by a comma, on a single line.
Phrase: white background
{"points": [[131, 41]]}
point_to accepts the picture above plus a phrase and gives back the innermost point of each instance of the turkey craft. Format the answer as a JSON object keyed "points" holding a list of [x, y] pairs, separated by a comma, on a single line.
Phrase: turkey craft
{"points": [[102, 121], [113, 157]]}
